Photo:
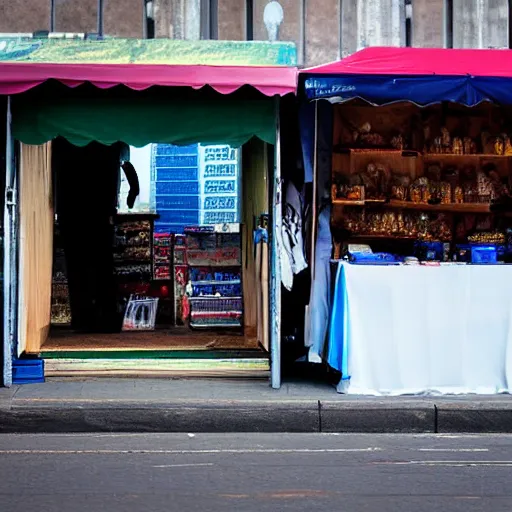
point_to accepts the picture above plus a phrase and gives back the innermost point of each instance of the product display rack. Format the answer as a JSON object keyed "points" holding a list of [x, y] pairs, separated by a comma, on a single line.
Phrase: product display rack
{"points": [[162, 248], [440, 194], [215, 276], [179, 275], [133, 255]]}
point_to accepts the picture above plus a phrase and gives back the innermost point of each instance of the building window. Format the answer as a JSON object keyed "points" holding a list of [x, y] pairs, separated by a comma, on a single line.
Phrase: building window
{"points": [[249, 20], [149, 20], [448, 23], [408, 22], [209, 19]]}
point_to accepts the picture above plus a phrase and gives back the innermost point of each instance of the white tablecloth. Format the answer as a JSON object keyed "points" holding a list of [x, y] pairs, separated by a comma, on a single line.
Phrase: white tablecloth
{"points": [[417, 329]]}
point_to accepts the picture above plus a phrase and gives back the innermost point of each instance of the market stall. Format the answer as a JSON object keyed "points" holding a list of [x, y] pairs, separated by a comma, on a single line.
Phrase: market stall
{"points": [[418, 187], [142, 92]]}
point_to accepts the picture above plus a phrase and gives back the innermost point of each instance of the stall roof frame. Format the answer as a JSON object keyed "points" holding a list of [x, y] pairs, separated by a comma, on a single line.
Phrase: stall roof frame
{"points": [[423, 76]]}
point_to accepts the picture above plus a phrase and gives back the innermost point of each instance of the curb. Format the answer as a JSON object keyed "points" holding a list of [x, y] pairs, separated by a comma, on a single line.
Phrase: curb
{"points": [[308, 416]]}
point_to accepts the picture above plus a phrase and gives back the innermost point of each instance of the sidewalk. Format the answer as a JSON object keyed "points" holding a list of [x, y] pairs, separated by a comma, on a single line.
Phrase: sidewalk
{"points": [[237, 405]]}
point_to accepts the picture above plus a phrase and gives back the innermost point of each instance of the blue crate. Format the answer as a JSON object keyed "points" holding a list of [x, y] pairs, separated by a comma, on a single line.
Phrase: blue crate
{"points": [[177, 203], [484, 254], [174, 188], [374, 258], [171, 149], [177, 174], [176, 161], [27, 371]]}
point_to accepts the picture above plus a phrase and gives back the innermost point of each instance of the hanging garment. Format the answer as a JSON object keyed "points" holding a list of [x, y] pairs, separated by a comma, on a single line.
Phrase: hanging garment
{"points": [[293, 258], [320, 298]]}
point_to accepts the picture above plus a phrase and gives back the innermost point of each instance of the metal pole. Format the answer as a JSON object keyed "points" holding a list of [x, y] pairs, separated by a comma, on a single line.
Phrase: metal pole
{"points": [[275, 280], [10, 201], [315, 195]]}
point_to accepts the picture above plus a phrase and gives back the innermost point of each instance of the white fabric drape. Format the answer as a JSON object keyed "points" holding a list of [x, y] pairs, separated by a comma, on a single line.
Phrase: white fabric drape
{"points": [[413, 330]]}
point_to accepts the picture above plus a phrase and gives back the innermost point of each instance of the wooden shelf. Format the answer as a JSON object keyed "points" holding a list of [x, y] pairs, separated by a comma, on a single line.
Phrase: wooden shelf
{"points": [[384, 151], [434, 156], [452, 207], [388, 237], [409, 205], [414, 153], [348, 202], [381, 237]]}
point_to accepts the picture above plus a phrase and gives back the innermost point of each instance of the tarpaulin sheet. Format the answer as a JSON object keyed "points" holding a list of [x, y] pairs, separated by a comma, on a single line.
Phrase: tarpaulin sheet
{"points": [[142, 118], [33, 71], [225, 66], [419, 75]]}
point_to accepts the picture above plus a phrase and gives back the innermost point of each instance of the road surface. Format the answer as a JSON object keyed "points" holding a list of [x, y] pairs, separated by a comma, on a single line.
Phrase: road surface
{"points": [[255, 472]]}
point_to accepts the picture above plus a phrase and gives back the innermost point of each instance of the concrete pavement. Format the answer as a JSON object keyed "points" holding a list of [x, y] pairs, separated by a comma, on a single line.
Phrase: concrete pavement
{"points": [[255, 472], [237, 405]]}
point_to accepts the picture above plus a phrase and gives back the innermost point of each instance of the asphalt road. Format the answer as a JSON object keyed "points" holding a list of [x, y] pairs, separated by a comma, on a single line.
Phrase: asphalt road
{"points": [[248, 472]]}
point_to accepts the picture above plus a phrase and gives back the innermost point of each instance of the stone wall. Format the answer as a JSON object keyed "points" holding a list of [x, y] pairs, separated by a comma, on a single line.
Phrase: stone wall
{"points": [[121, 18]]}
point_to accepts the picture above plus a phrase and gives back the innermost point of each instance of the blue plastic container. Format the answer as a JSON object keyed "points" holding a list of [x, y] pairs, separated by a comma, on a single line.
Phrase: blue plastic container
{"points": [[374, 258], [484, 254], [27, 371]]}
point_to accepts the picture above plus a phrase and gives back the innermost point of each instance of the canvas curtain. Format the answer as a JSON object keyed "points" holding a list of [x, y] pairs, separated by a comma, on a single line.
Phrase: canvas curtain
{"points": [[144, 119], [36, 246]]}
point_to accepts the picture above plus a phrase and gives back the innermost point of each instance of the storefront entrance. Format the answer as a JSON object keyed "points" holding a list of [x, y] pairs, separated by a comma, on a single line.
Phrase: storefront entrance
{"points": [[166, 283]]}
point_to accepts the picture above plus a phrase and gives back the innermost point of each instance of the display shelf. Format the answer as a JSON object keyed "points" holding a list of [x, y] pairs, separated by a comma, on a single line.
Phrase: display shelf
{"points": [[233, 325], [409, 205], [485, 156], [207, 283], [215, 247], [384, 151], [451, 207]]}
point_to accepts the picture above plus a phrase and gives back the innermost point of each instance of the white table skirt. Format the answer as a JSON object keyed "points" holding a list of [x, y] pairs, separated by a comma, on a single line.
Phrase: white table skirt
{"points": [[422, 330]]}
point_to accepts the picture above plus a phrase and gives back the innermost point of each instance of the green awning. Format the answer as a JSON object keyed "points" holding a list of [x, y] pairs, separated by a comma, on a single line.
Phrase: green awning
{"points": [[170, 116]]}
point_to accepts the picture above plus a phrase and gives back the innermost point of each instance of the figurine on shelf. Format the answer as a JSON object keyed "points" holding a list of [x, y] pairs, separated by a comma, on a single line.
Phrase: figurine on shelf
{"points": [[498, 146], [445, 193], [508, 145], [457, 146], [458, 195], [437, 146], [469, 146], [400, 223], [397, 142], [415, 193], [497, 186], [446, 140], [485, 190]]}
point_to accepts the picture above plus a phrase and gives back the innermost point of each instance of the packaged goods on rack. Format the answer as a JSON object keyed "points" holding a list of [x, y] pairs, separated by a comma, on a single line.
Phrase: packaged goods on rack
{"points": [[215, 276], [162, 249]]}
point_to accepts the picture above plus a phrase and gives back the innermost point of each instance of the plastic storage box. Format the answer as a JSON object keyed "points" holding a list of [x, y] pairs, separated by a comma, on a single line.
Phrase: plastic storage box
{"points": [[27, 371]]}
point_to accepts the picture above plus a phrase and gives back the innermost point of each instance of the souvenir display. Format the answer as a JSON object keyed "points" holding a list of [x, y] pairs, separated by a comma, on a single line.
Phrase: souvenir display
{"points": [[397, 224], [423, 199]]}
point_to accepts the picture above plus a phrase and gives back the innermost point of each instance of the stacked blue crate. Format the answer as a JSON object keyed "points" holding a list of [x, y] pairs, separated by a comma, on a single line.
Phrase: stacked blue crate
{"points": [[175, 171]]}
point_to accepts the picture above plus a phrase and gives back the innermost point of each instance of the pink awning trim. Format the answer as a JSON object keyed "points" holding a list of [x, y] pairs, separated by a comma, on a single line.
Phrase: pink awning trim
{"points": [[20, 77], [421, 61]]}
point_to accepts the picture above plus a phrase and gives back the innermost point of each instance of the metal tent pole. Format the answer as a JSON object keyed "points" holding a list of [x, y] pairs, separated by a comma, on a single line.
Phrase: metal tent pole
{"points": [[9, 248], [275, 289]]}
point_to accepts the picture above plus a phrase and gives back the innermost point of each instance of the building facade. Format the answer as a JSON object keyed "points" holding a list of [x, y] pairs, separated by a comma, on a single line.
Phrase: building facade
{"points": [[324, 30]]}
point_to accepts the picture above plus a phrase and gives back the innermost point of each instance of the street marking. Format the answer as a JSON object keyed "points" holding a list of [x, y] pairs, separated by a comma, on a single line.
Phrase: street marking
{"points": [[184, 465], [451, 463], [453, 449], [189, 452]]}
